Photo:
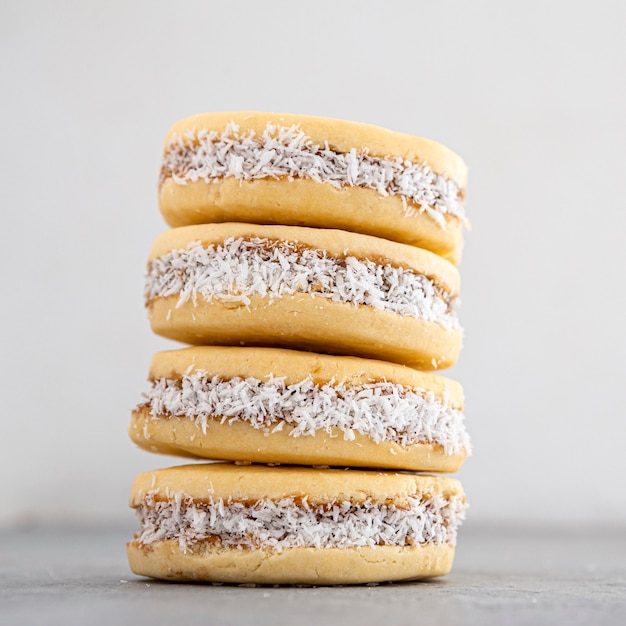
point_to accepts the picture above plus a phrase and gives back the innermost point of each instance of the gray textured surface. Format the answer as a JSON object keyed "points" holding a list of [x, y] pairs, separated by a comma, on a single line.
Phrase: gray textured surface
{"points": [[65, 575]]}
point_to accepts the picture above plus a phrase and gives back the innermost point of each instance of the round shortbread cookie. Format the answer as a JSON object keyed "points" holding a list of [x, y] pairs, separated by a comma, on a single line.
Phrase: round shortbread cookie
{"points": [[314, 289], [274, 168], [268, 405], [255, 524]]}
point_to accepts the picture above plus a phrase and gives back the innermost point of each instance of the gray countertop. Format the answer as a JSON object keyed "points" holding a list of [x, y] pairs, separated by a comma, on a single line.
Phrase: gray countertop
{"points": [[502, 575]]}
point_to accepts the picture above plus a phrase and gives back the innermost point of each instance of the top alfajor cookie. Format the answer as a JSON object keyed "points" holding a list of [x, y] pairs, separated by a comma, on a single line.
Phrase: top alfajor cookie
{"points": [[275, 168]]}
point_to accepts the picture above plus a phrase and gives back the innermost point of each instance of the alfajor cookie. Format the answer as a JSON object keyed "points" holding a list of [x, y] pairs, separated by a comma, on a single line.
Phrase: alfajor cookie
{"points": [[314, 289], [268, 405], [261, 525], [271, 168]]}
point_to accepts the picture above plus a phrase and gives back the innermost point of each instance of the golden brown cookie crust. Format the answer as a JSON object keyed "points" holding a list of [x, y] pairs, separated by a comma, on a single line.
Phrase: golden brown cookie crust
{"points": [[256, 482], [308, 323], [303, 202], [239, 441], [306, 566], [303, 322]]}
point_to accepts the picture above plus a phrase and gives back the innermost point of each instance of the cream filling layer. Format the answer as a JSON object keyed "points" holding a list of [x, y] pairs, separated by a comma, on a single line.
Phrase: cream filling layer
{"points": [[286, 151], [238, 269], [286, 523], [382, 411]]}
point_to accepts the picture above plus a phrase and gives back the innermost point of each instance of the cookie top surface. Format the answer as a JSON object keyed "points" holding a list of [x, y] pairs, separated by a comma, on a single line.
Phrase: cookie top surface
{"points": [[255, 482]]}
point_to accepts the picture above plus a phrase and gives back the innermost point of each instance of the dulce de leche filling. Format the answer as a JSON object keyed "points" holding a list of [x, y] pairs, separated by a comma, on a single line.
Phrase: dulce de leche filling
{"points": [[290, 523]]}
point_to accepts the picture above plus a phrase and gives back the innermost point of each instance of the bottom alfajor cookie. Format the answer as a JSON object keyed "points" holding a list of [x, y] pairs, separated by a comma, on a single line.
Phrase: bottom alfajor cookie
{"points": [[255, 524]]}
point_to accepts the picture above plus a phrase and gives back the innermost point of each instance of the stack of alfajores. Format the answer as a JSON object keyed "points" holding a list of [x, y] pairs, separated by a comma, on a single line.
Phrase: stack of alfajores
{"points": [[311, 264]]}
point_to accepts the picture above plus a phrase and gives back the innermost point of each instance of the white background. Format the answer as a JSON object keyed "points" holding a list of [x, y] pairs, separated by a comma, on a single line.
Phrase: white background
{"points": [[531, 94]]}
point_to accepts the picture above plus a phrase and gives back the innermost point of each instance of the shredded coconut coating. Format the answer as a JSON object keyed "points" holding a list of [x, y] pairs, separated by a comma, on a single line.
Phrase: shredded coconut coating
{"points": [[382, 411], [240, 268], [286, 524], [286, 151]]}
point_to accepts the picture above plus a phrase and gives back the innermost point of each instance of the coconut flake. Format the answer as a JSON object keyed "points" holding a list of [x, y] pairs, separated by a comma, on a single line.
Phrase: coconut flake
{"points": [[382, 411], [288, 152], [285, 524], [240, 268]]}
